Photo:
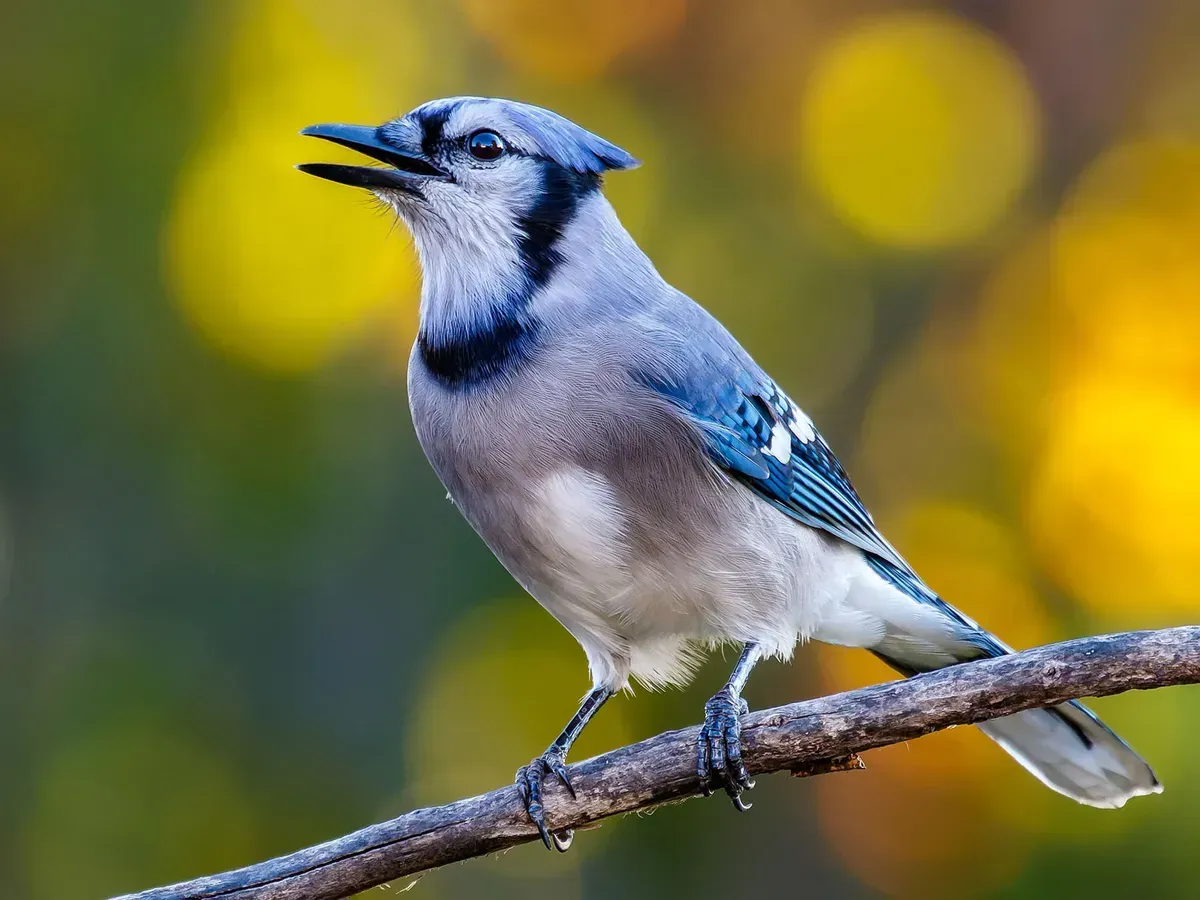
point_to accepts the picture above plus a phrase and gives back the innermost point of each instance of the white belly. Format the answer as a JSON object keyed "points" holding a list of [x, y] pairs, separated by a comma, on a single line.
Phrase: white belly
{"points": [[642, 610]]}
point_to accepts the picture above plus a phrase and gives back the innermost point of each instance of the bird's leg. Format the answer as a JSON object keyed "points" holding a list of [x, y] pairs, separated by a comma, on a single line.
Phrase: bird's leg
{"points": [[719, 745], [529, 778]]}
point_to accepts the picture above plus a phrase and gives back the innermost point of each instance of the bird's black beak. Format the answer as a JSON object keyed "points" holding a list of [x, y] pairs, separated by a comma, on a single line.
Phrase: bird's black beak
{"points": [[408, 166]]}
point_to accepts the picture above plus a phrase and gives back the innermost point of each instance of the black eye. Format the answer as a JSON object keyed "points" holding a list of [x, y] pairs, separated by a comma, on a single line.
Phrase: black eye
{"points": [[485, 145]]}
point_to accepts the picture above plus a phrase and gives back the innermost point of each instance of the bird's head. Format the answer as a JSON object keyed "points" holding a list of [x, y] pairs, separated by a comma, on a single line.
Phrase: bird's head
{"points": [[486, 186]]}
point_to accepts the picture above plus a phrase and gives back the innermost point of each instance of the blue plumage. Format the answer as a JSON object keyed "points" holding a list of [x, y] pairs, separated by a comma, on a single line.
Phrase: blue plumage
{"points": [[743, 422]]}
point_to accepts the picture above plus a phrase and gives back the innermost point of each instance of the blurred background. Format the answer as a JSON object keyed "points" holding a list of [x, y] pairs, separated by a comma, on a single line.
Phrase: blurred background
{"points": [[237, 615]]}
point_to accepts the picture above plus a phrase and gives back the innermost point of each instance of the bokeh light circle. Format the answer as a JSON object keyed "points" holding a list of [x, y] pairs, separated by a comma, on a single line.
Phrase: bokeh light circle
{"points": [[1111, 501], [918, 129], [271, 266]]}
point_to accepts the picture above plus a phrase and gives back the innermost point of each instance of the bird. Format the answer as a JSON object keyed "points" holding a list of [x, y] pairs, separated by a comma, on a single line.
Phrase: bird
{"points": [[631, 465]]}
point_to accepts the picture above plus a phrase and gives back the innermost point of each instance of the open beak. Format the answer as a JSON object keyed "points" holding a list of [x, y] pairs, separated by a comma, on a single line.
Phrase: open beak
{"points": [[407, 167]]}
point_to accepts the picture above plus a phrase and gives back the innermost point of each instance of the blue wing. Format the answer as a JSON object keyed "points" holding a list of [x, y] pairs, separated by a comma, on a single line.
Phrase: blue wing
{"points": [[760, 437], [756, 433]]}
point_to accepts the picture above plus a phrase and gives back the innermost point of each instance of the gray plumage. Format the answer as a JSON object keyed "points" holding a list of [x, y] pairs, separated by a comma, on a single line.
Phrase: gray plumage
{"points": [[628, 461], [595, 492]]}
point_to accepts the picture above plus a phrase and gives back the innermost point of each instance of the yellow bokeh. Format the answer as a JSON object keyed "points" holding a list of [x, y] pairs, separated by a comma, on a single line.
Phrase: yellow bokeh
{"points": [[271, 266], [571, 41], [1112, 500], [955, 784], [919, 130], [1126, 266], [1113, 487], [501, 685]]}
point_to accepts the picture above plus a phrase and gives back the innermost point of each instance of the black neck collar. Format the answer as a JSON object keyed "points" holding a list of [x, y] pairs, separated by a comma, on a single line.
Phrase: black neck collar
{"points": [[481, 350], [479, 353]]}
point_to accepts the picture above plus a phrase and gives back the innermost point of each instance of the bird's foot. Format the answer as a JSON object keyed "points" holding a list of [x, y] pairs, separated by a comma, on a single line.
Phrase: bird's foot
{"points": [[719, 747], [530, 779]]}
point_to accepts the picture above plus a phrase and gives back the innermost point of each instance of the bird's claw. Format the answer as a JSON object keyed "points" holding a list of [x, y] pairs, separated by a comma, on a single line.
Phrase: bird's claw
{"points": [[719, 748], [530, 779]]}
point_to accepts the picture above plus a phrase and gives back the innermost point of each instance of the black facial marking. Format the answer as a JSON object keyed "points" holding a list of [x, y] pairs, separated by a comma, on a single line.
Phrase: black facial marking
{"points": [[483, 352], [433, 121], [542, 226], [502, 340]]}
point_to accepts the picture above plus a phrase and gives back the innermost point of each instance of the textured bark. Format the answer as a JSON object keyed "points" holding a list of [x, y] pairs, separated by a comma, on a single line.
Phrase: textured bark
{"points": [[807, 738]]}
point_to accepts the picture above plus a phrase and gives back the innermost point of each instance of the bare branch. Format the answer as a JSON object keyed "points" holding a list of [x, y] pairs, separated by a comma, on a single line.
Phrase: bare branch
{"points": [[808, 738]]}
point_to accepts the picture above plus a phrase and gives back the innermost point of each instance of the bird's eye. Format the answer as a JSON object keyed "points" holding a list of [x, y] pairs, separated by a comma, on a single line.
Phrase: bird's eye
{"points": [[485, 145]]}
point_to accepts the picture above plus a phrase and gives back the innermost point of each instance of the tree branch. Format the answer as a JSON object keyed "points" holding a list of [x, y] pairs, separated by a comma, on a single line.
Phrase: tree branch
{"points": [[808, 738]]}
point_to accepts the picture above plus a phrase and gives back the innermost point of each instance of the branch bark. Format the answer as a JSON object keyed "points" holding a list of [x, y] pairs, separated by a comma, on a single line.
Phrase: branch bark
{"points": [[808, 738]]}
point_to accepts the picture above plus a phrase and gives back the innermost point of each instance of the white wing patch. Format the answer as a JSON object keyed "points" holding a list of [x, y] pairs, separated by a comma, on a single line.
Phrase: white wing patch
{"points": [[802, 426], [781, 444]]}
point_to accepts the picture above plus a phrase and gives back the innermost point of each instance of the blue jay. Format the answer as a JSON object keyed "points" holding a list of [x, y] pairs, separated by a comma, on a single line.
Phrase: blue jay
{"points": [[630, 464]]}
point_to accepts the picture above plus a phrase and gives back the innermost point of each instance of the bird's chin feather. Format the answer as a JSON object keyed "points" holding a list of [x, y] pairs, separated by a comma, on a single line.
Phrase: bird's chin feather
{"points": [[399, 202]]}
